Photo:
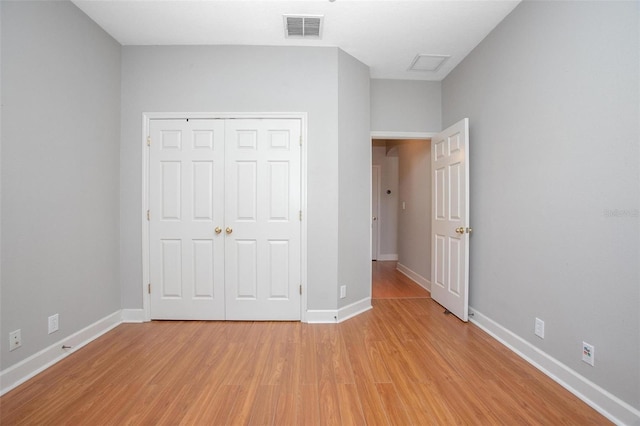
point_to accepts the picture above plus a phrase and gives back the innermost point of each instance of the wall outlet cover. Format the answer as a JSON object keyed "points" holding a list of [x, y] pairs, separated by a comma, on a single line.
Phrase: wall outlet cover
{"points": [[53, 323], [588, 353], [539, 328], [15, 340]]}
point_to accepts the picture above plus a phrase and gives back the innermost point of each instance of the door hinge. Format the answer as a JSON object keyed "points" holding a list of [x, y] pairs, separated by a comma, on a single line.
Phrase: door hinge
{"points": [[300, 215], [148, 215], [149, 288], [148, 140], [301, 289]]}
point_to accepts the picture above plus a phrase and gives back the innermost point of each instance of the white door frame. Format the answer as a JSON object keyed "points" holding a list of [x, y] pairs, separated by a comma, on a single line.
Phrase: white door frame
{"points": [[147, 116], [389, 135], [403, 135], [375, 212]]}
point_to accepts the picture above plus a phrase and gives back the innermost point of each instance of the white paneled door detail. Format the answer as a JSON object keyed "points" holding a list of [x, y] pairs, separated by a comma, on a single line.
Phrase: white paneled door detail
{"points": [[224, 226], [186, 178], [262, 208], [450, 223]]}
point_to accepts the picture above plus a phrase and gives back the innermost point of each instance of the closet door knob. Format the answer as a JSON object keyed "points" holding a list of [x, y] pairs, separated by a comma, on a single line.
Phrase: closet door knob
{"points": [[229, 230], [218, 230]]}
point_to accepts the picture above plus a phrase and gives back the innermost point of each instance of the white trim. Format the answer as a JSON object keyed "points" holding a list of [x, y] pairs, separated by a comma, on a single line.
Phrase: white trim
{"points": [[146, 274], [607, 404], [331, 316], [355, 308], [375, 212], [305, 222], [387, 257], [147, 116], [321, 316], [38, 362], [133, 315], [402, 135], [414, 276]]}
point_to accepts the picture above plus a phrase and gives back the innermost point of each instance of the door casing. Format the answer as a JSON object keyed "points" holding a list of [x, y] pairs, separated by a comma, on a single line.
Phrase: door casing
{"points": [[147, 117], [375, 212]]}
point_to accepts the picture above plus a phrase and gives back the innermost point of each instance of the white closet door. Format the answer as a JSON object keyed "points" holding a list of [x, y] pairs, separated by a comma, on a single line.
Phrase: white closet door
{"points": [[186, 184], [262, 223]]}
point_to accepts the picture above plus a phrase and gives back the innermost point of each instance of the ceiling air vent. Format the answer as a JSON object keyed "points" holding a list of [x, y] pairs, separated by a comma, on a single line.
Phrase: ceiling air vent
{"points": [[428, 63], [303, 26]]}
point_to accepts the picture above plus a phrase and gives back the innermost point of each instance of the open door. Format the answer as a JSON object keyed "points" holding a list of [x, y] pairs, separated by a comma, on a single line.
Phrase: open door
{"points": [[450, 219]]}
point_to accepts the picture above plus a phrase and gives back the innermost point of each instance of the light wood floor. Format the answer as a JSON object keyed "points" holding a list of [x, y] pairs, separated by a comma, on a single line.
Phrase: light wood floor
{"points": [[388, 283], [403, 362]]}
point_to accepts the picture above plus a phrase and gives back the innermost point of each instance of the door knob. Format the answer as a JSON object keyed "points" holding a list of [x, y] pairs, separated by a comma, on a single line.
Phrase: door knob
{"points": [[469, 230], [375, 218], [229, 230], [218, 230], [460, 230]]}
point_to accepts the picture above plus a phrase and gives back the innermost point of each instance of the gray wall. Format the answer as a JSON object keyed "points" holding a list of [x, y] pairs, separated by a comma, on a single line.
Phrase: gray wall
{"points": [[354, 171], [240, 79], [60, 143], [405, 106], [552, 95], [414, 222]]}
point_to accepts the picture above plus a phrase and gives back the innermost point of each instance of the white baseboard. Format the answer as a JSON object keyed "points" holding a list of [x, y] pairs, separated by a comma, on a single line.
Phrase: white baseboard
{"points": [[385, 257], [607, 404], [38, 362], [354, 309], [133, 315], [414, 276], [332, 316], [322, 316]]}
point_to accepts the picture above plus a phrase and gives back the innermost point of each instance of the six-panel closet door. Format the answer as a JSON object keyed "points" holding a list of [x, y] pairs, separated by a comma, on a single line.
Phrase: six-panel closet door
{"points": [[224, 226]]}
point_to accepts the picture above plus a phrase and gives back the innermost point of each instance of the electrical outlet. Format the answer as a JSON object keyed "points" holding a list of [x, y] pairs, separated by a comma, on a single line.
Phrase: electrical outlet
{"points": [[588, 353], [343, 291], [15, 340], [539, 330], [53, 323]]}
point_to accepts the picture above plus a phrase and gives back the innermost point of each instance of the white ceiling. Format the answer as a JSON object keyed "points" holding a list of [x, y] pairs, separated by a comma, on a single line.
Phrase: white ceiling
{"points": [[384, 34]]}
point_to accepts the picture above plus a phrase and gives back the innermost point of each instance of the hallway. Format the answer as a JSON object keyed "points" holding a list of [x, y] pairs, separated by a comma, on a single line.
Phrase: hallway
{"points": [[389, 283]]}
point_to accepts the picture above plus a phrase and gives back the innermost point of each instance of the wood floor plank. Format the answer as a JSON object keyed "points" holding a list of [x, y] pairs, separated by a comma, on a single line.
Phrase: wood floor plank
{"points": [[395, 409], [309, 356], [240, 413], [264, 405], [289, 405], [208, 404], [350, 407], [310, 411], [365, 360], [372, 406], [403, 362], [329, 403]]}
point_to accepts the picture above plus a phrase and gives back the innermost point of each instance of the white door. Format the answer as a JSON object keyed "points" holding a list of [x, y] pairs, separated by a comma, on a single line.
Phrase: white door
{"points": [[225, 228], [375, 210], [450, 219], [186, 172], [262, 219]]}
